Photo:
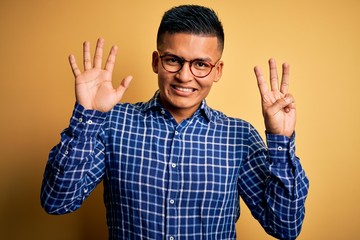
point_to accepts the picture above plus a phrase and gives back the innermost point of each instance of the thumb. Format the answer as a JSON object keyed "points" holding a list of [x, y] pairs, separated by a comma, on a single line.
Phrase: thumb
{"points": [[125, 83], [286, 103]]}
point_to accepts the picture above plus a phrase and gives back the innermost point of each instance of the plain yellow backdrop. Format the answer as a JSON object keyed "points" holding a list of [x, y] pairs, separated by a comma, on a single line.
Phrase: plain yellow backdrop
{"points": [[319, 38]]}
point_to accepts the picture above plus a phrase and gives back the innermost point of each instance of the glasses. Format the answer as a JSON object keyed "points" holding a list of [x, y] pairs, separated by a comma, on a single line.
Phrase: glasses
{"points": [[198, 67]]}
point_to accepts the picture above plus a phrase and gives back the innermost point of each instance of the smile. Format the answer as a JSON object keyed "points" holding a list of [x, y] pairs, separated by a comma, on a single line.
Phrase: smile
{"points": [[183, 89]]}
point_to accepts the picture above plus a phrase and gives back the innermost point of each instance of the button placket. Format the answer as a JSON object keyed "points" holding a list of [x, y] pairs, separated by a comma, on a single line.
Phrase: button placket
{"points": [[174, 185]]}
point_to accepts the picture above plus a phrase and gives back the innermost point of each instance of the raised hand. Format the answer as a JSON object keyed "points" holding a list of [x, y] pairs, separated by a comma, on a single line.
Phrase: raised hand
{"points": [[93, 87], [278, 106]]}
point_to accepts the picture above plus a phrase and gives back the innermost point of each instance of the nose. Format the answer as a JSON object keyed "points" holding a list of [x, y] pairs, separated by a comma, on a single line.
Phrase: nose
{"points": [[185, 74]]}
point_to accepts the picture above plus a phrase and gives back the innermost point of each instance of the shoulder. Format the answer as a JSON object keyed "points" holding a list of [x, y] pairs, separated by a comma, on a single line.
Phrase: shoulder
{"points": [[126, 111], [129, 107], [218, 117]]}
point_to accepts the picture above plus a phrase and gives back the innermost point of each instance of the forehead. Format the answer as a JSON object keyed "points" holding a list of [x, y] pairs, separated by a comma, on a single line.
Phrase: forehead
{"points": [[190, 46]]}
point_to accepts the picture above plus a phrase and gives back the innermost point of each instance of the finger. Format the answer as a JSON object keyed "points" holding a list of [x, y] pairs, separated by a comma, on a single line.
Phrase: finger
{"points": [[86, 55], [274, 83], [290, 101], [261, 81], [290, 107], [280, 104], [285, 78], [110, 62], [289, 98], [287, 103], [123, 86], [74, 67], [98, 53]]}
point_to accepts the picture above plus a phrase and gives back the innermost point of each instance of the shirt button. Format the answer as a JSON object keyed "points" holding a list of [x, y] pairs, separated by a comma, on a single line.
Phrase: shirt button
{"points": [[66, 152], [89, 122], [176, 133], [280, 148], [172, 201], [85, 190], [173, 165], [171, 238], [80, 119], [162, 111]]}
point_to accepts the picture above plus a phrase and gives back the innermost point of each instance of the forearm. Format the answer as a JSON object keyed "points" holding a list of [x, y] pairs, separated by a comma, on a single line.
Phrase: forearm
{"points": [[75, 166], [281, 187], [286, 189]]}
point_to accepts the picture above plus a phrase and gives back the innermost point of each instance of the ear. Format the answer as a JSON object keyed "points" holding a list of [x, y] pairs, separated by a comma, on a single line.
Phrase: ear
{"points": [[218, 71], [155, 61]]}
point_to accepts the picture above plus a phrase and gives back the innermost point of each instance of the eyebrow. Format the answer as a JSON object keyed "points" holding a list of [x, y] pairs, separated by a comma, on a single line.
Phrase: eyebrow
{"points": [[204, 59]]}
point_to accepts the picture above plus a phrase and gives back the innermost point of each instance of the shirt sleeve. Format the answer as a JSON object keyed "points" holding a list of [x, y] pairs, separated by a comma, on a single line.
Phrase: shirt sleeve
{"points": [[76, 165], [273, 185]]}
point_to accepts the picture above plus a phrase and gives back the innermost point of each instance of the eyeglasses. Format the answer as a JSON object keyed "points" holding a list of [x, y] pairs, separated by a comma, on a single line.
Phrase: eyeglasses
{"points": [[198, 67]]}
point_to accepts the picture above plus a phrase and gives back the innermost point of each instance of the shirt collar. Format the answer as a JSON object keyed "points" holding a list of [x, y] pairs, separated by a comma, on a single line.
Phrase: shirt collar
{"points": [[154, 104]]}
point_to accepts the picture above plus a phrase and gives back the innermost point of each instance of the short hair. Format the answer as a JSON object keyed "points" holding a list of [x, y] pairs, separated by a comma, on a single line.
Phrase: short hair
{"points": [[192, 19]]}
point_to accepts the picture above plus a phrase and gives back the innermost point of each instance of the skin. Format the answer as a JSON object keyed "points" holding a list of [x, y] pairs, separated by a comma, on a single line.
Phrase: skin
{"points": [[94, 89], [278, 106], [181, 93]]}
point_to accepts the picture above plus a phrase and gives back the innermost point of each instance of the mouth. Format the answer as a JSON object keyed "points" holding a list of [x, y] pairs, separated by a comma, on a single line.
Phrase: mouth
{"points": [[183, 89]]}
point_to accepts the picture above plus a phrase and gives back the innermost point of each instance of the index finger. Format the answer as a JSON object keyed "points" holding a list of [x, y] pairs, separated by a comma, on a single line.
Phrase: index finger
{"points": [[261, 81]]}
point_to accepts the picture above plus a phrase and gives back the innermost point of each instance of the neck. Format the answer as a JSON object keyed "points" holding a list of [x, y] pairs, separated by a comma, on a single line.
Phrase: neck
{"points": [[179, 114]]}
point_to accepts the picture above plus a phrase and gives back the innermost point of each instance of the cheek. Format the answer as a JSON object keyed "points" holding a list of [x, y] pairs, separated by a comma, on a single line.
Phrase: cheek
{"points": [[206, 85], [163, 80], [206, 88]]}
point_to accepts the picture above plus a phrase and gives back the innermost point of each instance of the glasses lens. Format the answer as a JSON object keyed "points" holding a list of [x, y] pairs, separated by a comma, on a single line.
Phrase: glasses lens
{"points": [[171, 63], [200, 68]]}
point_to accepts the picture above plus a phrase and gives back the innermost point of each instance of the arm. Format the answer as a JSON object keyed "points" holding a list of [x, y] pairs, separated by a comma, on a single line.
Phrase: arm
{"points": [[272, 182], [76, 164], [273, 185]]}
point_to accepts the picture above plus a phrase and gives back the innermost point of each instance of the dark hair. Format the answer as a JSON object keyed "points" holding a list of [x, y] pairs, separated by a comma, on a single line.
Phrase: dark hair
{"points": [[191, 19]]}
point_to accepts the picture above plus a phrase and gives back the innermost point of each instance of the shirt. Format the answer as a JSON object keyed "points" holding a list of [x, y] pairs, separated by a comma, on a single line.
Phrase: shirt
{"points": [[164, 180]]}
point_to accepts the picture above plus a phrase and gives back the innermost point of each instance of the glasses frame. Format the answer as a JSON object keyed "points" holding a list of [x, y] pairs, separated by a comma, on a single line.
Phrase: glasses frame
{"points": [[183, 61]]}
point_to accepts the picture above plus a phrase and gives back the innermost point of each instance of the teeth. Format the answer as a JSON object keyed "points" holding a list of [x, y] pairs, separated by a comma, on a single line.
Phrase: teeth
{"points": [[184, 89]]}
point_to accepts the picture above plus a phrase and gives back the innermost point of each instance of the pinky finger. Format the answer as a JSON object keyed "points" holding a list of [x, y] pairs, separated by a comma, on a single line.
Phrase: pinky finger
{"points": [[74, 67]]}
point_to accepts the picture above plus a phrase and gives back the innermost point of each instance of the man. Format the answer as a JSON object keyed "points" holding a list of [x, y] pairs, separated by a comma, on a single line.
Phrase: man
{"points": [[172, 167]]}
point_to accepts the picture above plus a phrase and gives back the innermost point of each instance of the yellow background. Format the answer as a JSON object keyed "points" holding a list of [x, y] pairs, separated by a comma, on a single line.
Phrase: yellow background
{"points": [[319, 38]]}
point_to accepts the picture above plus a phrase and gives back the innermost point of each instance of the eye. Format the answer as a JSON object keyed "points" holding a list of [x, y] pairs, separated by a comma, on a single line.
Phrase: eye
{"points": [[172, 60], [201, 64]]}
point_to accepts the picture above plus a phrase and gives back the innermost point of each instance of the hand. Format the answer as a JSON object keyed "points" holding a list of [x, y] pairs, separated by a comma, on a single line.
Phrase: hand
{"points": [[93, 87], [278, 106]]}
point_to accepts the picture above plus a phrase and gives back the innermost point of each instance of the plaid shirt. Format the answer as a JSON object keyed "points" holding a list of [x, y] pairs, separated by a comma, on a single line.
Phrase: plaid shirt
{"points": [[164, 180]]}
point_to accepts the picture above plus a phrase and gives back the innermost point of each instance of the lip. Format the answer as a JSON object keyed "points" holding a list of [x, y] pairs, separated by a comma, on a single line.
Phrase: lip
{"points": [[183, 91]]}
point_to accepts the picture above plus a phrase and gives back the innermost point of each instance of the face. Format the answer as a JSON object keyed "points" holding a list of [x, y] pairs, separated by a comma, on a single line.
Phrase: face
{"points": [[181, 92]]}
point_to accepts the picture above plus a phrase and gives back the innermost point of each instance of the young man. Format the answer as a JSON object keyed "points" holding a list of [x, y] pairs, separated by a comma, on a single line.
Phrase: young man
{"points": [[172, 167]]}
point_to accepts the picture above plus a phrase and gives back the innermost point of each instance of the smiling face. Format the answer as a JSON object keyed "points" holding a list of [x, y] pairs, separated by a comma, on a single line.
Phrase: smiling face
{"points": [[182, 93]]}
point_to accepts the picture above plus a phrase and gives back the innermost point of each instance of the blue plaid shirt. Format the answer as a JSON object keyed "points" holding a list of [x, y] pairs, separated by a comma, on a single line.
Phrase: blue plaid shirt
{"points": [[164, 180]]}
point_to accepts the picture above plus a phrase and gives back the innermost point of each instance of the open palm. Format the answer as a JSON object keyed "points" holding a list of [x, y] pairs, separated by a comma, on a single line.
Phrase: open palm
{"points": [[93, 87]]}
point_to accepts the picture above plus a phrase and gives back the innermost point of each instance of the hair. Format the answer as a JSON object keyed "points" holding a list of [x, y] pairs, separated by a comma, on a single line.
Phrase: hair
{"points": [[192, 19]]}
